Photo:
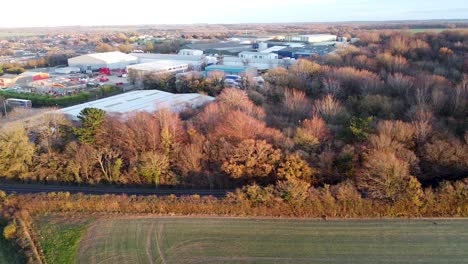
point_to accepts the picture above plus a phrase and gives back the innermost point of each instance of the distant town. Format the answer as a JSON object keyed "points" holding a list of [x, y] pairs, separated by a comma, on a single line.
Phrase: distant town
{"points": [[129, 66], [69, 62]]}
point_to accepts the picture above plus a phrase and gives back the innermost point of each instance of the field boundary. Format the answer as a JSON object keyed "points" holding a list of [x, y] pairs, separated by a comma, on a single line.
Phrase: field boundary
{"points": [[32, 242], [168, 216]]}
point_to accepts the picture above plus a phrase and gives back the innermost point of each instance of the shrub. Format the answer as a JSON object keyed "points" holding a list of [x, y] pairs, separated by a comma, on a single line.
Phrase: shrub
{"points": [[9, 232], [294, 168]]}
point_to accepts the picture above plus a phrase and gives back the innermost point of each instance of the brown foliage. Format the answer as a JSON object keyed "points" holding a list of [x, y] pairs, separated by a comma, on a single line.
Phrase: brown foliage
{"points": [[445, 158], [328, 108], [297, 104], [400, 85], [252, 159], [235, 99], [384, 177], [399, 44], [312, 133], [356, 81], [392, 63]]}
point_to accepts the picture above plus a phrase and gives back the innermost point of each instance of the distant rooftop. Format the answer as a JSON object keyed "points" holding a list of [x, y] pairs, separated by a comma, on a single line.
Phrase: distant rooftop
{"points": [[227, 67], [273, 49], [110, 57], [317, 35], [157, 65]]}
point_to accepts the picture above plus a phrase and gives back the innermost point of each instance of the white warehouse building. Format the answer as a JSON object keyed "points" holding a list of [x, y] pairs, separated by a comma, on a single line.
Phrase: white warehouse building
{"points": [[137, 72], [315, 38], [158, 67], [111, 60], [251, 55], [141, 101], [191, 52]]}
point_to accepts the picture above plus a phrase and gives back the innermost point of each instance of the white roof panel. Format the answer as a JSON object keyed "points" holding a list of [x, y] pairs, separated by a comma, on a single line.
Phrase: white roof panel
{"points": [[157, 65], [273, 49], [108, 57], [147, 101]]}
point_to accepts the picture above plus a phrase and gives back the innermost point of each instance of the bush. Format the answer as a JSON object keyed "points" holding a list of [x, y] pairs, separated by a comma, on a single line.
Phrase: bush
{"points": [[9, 232]]}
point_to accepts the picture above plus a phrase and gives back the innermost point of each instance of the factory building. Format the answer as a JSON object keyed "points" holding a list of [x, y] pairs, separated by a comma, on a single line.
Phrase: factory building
{"points": [[191, 52], [138, 72], [67, 70], [231, 70], [195, 60], [315, 38], [96, 61], [141, 101], [250, 55], [297, 53], [157, 67]]}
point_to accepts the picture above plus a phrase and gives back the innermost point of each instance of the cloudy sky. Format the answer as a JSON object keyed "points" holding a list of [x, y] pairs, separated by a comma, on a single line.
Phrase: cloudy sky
{"points": [[27, 13]]}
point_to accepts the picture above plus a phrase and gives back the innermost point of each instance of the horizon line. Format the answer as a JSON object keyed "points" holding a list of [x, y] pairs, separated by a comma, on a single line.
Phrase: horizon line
{"points": [[241, 23]]}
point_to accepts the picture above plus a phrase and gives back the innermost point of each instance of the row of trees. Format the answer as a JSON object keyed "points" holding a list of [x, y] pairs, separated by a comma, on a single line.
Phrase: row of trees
{"points": [[41, 100], [49, 61]]}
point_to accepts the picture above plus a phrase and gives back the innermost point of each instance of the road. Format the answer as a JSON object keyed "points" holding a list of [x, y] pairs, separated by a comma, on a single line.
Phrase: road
{"points": [[40, 188]]}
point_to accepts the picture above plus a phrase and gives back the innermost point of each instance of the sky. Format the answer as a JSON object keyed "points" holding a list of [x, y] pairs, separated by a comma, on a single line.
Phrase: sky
{"points": [[50, 13]]}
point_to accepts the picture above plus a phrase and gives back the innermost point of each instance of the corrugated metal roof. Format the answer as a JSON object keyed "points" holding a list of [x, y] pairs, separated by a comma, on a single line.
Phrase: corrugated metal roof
{"points": [[108, 57], [157, 65], [147, 101], [273, 49]]}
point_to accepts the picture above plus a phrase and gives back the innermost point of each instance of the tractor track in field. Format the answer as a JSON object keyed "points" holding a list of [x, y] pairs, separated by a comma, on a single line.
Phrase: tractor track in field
{"points": [[148, 244], [159, 242]]}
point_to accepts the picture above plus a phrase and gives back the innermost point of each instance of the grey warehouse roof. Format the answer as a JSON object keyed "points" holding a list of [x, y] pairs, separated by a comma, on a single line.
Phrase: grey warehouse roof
{"points": [[107, 57], [136, 101]]}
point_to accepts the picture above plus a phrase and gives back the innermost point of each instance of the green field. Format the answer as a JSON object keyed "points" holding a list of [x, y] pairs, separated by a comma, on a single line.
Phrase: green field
{"points": [[420, 30], [60, 238], [8, 254], [17, 34], [218, 240]]}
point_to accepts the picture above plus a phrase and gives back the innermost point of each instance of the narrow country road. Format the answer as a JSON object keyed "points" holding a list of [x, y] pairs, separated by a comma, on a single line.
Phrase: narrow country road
{"points": [[41, 188]]}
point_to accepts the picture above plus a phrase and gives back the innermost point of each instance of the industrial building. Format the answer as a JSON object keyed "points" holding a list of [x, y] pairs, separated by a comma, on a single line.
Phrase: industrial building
{"points": [[195, 60], [191, 52], [252, 55], [67, 70], [96, 61], [308, 51], [157, 67], [273, 49], [230, 48], [141, 101], [315, 38], [231, 70]]}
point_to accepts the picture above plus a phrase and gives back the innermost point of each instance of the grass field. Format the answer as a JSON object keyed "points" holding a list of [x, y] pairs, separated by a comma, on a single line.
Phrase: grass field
{"points": [[16, 34], [60, 238], [217, 240], [420, 30], [7, 253]]}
